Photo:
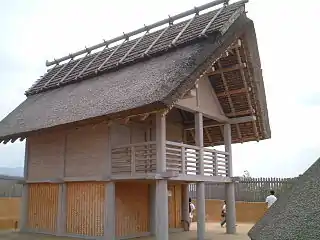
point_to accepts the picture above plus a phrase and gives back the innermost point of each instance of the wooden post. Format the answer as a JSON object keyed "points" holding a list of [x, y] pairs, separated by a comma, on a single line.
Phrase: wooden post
{"points": [[201, 211], [185, 206], [62, 210], [110, 211], [133, 161], [152, 214], [110, 198], [183, 160], [230, 195], [25, 192], [162, 225]]}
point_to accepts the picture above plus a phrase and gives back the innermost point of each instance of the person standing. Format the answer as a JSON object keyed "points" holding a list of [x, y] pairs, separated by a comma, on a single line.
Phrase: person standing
{"points": [[223, 214], [271, 199], [191, 210]]}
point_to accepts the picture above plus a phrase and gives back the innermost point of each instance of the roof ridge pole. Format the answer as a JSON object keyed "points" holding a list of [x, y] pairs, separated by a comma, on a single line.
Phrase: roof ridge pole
{"points": [[140, 30]]}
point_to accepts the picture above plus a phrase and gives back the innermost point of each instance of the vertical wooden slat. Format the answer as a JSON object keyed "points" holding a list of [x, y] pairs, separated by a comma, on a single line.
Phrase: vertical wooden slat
{"points": [[132, 208], [82, 200], [178, 205], [43, 207]]}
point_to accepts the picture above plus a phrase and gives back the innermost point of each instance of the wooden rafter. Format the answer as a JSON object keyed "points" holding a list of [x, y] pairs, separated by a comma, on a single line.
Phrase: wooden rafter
{"points": [[224, 81], [227, 69], [243, 77], [240, 113], [234, 92], [251, 80]]}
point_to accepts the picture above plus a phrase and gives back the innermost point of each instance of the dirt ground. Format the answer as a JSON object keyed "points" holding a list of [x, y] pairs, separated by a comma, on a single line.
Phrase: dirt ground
{"points": [[213, 231]]}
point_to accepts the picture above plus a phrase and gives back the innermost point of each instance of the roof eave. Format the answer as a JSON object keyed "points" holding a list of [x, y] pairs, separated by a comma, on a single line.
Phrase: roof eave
{"points": [[254, 58], [153, 107], [221, 43]]}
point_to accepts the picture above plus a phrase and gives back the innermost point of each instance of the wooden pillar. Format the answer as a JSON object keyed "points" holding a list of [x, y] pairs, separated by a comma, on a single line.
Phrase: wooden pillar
{"points": [[162, 224], [110, 197], [110, 211], [152, 211], [25, 192], [185, 206], [62, 210], [201, 211], [230, 188]]}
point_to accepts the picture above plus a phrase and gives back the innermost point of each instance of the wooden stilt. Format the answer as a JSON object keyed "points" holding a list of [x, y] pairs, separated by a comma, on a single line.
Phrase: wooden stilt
{"points": [[62, 211], [230, 195], [185, 206], [110, 206], [201, 211], [152, 216], [162, 225]]}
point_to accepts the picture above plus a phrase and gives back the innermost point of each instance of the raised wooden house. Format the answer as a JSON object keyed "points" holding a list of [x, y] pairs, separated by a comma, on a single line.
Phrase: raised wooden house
{"points": [[114, 136]]}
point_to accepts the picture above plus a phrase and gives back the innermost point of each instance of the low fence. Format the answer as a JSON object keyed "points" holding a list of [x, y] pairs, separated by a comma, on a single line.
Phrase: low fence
{"points": [[246, 189], [10, 186], [247, 212]]}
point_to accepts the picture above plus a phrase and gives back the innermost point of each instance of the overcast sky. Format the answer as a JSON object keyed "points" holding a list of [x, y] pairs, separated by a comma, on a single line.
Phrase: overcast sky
{"points": [[288, 35]]}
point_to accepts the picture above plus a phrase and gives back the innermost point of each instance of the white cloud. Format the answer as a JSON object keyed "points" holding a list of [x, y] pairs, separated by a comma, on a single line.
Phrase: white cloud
{"points": [[287, 34]]}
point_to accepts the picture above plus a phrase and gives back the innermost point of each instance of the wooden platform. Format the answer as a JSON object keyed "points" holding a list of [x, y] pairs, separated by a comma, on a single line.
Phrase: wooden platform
{"points": [[214, 231]]}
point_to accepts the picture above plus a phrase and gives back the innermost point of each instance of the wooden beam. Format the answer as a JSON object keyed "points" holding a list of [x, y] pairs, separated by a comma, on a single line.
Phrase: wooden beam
{"points": [[243, 77], [144, 116], [240, 113], [227, 69], [229, 97], [244, 119], [190, 94], [234, 92], [210, 123]]}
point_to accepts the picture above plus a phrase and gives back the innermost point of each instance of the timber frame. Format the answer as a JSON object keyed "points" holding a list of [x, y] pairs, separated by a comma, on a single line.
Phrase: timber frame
{"points": [[91, 147]]}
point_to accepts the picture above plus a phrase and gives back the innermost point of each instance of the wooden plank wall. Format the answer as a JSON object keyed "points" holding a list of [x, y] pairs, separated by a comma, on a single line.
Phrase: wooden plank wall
{"points": [[43, 207], [85, 208], [132, 208], [175, 206]]}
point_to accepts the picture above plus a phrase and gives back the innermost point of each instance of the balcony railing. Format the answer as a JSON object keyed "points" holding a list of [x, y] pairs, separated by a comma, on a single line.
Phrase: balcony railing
{"points": [[141, 158]]}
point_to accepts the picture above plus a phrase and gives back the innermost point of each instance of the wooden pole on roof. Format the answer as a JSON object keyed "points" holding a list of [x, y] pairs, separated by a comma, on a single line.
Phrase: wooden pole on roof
{"points": [[140, 30]]}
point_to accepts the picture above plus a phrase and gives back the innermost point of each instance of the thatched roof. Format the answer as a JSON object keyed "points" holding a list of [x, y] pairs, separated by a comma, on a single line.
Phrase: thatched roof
{"points": [[296, 214], [154, 70]]}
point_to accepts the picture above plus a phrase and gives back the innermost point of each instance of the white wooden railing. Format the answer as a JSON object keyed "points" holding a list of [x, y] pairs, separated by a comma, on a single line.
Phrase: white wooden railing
{"points": [[134, 158], [141, 158], [185, 159]]}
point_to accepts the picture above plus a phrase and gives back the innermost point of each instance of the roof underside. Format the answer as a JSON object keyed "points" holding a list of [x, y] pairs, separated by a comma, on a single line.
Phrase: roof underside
{"points": [[123, 78]]}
